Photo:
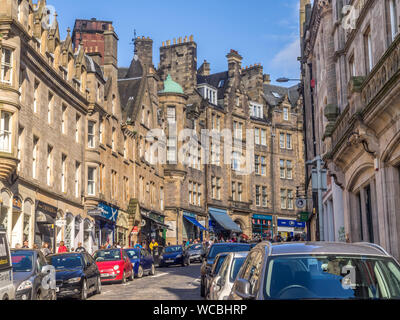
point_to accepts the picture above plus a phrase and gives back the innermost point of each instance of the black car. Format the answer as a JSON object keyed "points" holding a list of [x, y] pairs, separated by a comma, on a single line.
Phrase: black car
{"points": [[32, 275], [212, 253], [196, 252], [174, 255], [77, 274]]}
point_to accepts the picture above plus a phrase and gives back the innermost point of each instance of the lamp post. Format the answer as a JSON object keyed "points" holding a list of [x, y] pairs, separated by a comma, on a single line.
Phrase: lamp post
{"points": [[284, 79]]}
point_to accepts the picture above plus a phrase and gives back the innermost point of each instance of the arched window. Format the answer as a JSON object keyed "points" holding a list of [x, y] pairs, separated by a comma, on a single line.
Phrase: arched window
{"points": [[5, 208]]}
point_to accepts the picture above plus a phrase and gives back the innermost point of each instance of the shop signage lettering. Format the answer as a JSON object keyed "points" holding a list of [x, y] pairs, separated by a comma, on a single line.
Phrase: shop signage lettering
{"points": [[291, 224], [46, 208], [108, 212], [189, 214]]}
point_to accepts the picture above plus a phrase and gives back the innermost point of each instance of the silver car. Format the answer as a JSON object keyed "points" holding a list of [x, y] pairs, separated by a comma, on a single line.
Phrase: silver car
{"points": [[222, 283], [317, 270]]}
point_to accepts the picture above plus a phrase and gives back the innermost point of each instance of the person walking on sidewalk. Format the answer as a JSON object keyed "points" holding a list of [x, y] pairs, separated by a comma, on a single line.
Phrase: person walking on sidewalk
{"points": [[62, 248]]}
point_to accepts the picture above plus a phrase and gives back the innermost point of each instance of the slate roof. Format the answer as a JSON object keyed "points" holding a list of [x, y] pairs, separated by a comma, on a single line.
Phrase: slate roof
{"points": [[129, 86], [280, 93], [214, 80]]}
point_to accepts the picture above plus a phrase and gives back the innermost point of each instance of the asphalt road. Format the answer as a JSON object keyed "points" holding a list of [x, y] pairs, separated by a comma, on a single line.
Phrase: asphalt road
{"points": [[173, 283]]}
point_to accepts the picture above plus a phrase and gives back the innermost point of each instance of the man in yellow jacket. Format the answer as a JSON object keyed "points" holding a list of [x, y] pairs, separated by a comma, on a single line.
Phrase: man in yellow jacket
{"points": [[153, 245]]}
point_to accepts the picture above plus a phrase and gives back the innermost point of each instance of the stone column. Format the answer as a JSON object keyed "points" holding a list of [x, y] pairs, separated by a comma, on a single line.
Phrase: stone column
{"points": [[388, 190]]}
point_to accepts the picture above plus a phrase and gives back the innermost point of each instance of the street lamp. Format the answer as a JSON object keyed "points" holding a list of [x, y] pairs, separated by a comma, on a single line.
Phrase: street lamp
{"points": [[283, 79]]}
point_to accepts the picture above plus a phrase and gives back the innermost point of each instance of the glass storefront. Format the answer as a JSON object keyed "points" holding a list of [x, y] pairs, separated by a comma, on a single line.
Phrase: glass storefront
{"points": [[262, 227]]}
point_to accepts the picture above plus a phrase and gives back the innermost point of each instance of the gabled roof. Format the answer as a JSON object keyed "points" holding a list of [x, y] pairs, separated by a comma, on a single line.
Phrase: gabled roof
{"points": [[131, 86], [275, 95]]}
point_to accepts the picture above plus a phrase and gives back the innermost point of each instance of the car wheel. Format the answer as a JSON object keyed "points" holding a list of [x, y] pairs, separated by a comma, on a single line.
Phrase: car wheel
{"points": [[98, 286], [140, 272], [123, 281], [84, 290], [152, 270]]}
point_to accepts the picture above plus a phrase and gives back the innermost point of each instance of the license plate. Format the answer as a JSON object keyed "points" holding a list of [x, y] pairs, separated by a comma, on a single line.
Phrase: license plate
{"points": [[169, 261], [104, 275], [57, 289]]}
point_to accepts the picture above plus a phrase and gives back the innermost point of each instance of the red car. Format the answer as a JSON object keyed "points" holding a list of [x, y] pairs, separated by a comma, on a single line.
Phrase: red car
{"points": [[114, 265]]}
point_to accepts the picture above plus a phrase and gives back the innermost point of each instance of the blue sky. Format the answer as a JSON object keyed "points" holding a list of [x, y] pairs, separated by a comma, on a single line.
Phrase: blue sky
{"points": [[263, 31]]}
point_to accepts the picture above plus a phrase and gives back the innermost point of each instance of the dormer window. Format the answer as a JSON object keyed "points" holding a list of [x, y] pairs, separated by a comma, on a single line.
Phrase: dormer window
{"points": [[276, 95], [221, 83], [256, 110], [208, 93]]}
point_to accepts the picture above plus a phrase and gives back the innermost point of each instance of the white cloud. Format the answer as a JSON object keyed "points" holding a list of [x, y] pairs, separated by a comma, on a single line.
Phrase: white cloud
{"points": [[285, 61]]}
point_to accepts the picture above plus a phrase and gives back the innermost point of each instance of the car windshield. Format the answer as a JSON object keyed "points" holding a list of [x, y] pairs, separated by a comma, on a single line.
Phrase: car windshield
{"points": [[107, 255], [196, 247], [132, 253], [65, 262], [332, 277], [22, 261], [214, 250], [173, 249], [236, 265]]}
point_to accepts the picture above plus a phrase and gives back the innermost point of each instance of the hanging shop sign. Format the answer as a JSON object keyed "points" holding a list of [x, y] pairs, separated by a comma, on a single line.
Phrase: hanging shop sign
{"points": [[17, 204]]}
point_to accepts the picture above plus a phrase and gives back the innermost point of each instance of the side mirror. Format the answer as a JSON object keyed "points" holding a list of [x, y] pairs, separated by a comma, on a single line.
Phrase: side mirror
{"points": [[243, 289]]}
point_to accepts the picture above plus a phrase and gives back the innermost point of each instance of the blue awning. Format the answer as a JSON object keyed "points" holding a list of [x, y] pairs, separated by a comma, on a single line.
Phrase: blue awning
{"points": [[195, 222], [224, 220]]}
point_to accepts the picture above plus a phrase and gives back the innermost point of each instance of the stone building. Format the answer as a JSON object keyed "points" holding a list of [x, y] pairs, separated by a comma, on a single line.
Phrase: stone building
{"points": [[94, 153], [54, 101], [213, 184], [350, 64]]}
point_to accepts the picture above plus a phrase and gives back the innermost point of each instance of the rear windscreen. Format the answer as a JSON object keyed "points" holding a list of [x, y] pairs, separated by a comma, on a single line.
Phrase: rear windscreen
{"points": [[5, 262]]}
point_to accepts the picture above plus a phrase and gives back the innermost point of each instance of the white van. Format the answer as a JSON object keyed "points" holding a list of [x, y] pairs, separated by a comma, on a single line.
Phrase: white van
{"points": [[7, 290]]}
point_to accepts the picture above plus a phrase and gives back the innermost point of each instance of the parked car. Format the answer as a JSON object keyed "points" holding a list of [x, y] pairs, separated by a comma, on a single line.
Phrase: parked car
{"points": [[7, 290], [34, 278], [222, 284], [210, 256], [317, 270], [142, 262], [218, 261], [77, 274], [114, 265], [174, 255], [196, 252]]}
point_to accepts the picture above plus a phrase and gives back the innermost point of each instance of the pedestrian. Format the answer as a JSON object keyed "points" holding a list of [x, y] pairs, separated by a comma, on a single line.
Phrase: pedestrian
{"points": [[347, 238], [169, 244], [118, 245], [18, 246], [35, 247], [138, 246], [80, 248], [62, 248], [45, 249], [25, 244], [289, 238], [153, 245]]}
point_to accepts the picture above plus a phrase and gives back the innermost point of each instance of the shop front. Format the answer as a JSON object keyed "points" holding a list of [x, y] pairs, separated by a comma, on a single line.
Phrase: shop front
{"points": [[105, 218], [290, 227], [192, 228], [262, 227], [221, 224], [152, 227], [122, 229], [46, 216]]}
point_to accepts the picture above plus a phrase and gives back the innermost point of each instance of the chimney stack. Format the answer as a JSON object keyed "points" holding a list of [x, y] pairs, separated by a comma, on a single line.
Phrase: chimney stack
{"points": [[144, 50], [205, 69], [234, 62], [267, 79]]}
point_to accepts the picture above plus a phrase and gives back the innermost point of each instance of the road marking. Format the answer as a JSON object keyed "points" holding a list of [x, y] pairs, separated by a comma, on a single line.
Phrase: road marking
{"points": [[159, 275]]}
